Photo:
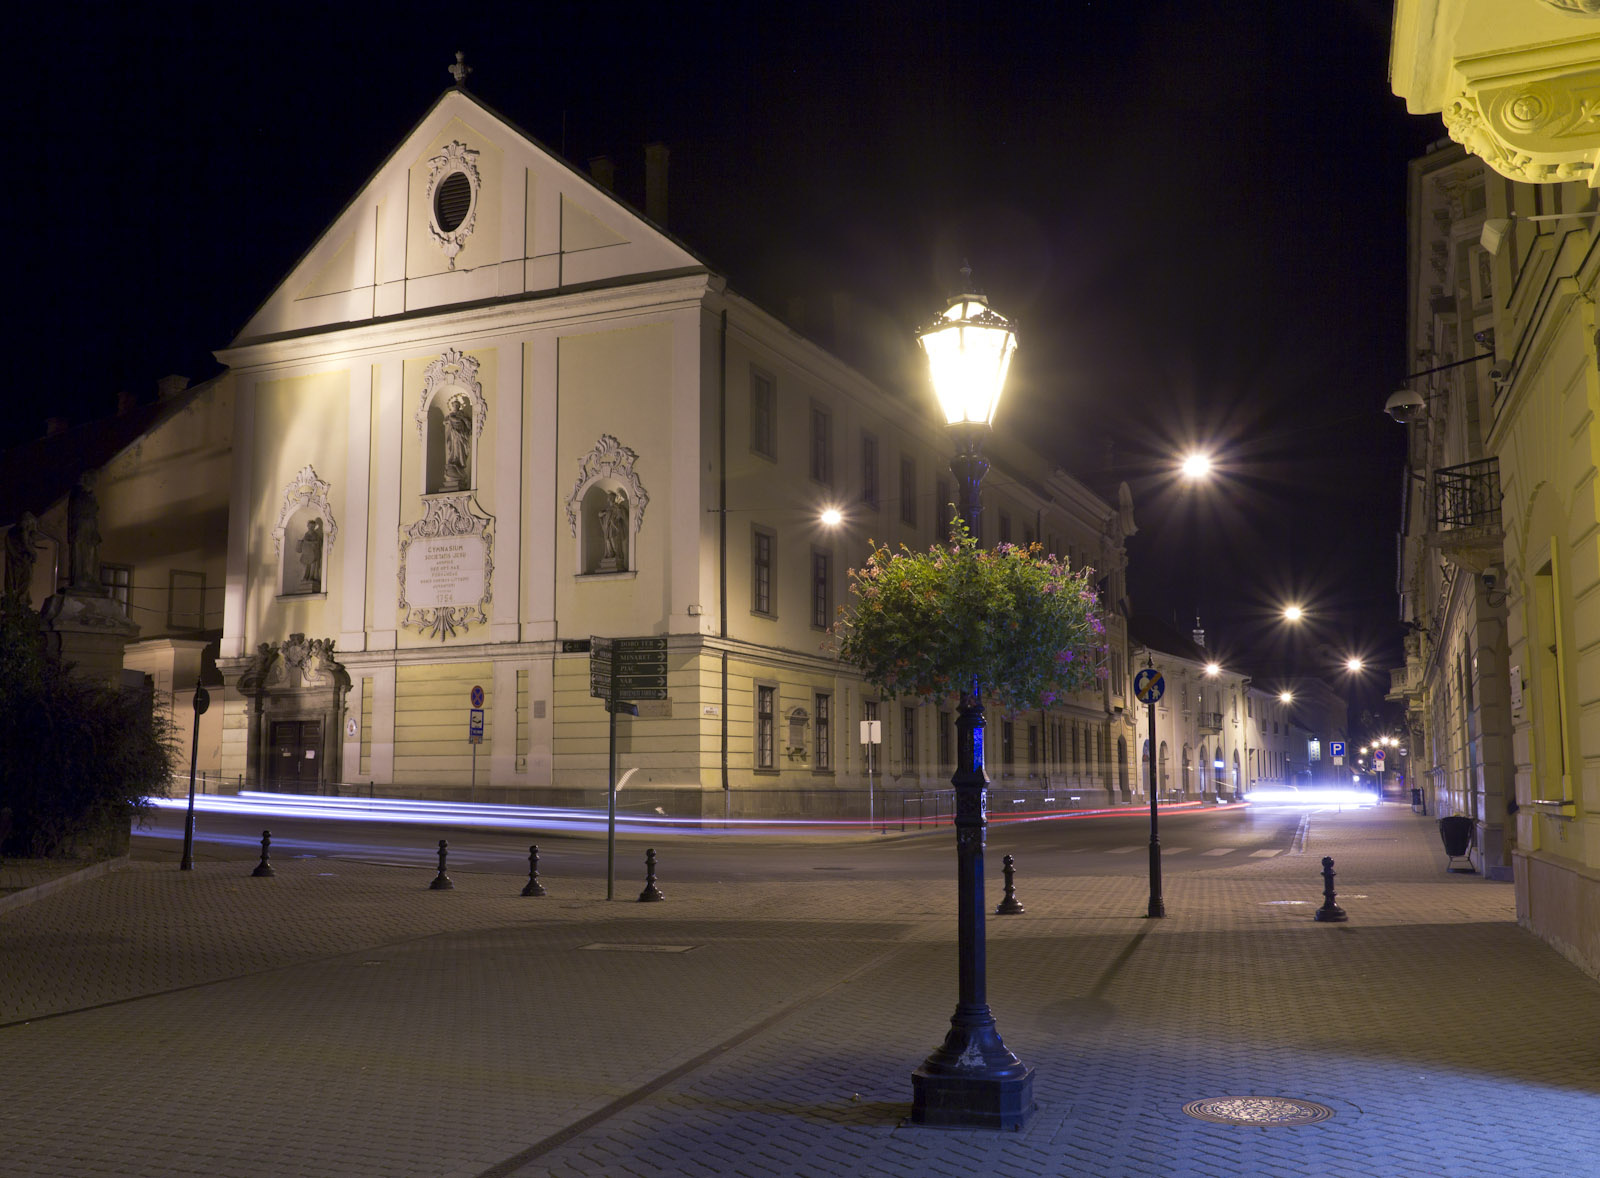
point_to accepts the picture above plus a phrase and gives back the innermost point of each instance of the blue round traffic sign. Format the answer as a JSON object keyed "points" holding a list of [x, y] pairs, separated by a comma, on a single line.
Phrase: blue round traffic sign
{"points": [[1149, 686]]}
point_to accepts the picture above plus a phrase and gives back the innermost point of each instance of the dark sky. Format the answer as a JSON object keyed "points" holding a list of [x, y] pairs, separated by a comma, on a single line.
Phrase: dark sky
{"points": [[1195, 211]]}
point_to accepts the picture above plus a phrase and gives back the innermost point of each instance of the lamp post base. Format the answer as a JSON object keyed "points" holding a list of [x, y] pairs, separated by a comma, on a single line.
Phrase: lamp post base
{"points": [[972, 1082]]}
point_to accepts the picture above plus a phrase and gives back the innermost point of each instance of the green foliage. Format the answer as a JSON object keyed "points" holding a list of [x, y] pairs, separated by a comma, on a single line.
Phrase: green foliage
{"points": [[925, 624], [80, 760]]}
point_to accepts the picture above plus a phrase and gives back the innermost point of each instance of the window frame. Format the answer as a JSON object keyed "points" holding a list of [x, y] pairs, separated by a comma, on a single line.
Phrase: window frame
{"points": [[764, 752], [763, 414], [821, 452], [120, 592], [821, 591], [871, 481], [822, 732], [763, 537], [908, 489]]}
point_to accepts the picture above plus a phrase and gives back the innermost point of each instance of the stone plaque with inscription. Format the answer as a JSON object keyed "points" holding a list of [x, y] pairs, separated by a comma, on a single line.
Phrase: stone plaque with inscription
{"points": [[446, 571]]}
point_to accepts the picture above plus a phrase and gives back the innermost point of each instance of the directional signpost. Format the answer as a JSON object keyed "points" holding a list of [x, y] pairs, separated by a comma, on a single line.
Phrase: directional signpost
{"points": [[1148, 688], [1336, 750], [621, 672]]}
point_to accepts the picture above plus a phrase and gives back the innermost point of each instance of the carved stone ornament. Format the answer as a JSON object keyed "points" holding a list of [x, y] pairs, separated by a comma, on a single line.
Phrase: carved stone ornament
{"points": [[306, 490], [292, 665], [609, 459], [457, 157], [1537, 127], [447, 567], [453, 370]]}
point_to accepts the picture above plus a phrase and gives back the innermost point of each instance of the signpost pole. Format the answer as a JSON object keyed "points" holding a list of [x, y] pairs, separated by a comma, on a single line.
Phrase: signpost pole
{"points": [[611, 789], [1158, 906]]}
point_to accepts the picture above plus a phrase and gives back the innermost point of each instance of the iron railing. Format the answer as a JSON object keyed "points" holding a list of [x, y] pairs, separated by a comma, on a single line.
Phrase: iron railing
{"points": [[1467, 496]]}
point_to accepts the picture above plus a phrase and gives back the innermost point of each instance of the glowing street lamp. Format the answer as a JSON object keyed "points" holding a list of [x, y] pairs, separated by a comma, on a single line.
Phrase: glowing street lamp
{"points": [[1286, 697], [831, 517], [1353, 664], [1196, 466], [971, 1081], [1213, 669], [1293, 613]]}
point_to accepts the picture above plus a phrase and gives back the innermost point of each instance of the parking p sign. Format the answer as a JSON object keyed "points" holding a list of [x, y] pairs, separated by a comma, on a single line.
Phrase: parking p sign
{"points": [[1336, 747]]}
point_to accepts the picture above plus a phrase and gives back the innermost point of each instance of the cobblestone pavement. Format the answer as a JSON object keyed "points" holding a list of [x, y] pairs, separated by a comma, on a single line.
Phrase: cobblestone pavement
{"points": [[342, 1019]]}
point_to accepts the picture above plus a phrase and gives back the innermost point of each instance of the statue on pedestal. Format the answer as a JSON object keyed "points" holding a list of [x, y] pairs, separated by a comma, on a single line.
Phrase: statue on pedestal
{"points": [[457, 446], [310, 549]]}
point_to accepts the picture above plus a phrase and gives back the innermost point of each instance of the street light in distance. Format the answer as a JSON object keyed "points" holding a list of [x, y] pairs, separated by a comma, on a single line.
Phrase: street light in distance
{"points": [[831, 517], [1196, 466]]}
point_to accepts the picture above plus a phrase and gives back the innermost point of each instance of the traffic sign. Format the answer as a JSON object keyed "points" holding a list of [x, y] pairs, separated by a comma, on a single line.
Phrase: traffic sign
{"points": [[475, 726], [477, 697], [1149, 686], [1336, 748], [636, 668]]}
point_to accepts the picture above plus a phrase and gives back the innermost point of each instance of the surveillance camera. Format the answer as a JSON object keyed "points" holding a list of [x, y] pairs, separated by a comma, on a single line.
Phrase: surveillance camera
{"points": [[1497, 374], [1404, 406]]}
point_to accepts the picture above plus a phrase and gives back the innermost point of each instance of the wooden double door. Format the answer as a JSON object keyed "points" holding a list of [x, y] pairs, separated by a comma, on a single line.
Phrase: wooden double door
{"points": [[295, 762]]}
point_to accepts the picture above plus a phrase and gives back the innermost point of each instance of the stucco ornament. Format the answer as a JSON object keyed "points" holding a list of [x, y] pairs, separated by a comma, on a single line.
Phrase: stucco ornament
{"points": [[453, 370], [1535, 127], [450, 555], [293, 664], [306, 490], [609, 459], [457, 158]]}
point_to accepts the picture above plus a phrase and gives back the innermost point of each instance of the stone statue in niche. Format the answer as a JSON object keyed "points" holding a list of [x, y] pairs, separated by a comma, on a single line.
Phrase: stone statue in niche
{"points": [[83, 535], [613, 532], [310, 549], [21, 542], [457, 445]]}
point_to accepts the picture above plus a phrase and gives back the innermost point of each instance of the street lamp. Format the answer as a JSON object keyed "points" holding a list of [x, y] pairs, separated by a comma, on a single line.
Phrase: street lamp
{"points": [[971, 1081], [202, 701], [1293, 613]]}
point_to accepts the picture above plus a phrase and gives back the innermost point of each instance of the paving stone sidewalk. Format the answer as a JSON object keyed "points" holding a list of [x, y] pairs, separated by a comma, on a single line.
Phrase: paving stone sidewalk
{"points": [[343, 1020]]}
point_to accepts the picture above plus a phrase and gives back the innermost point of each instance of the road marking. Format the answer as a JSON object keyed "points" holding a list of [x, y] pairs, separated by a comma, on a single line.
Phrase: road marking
{"points": [[1124, 850], [1218, 851], [1264, 854], [1173, 850]]}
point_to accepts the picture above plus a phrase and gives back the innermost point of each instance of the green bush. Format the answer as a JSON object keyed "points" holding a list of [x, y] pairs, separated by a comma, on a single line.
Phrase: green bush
{"points": [[78, 761]]}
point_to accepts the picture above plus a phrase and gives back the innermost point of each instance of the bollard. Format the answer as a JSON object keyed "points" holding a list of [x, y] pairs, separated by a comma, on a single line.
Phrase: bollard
{"points": [[264, 869], [441, 882], [1329, 910], [1010, 906], [534, 888], [651, 892]]}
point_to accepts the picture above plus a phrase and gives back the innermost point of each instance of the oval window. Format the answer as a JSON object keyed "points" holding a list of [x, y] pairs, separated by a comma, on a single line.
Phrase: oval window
{"points": [[452, 201]]}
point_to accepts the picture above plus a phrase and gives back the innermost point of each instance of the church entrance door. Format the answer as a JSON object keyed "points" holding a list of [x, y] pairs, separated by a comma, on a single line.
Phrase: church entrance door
{"points": [[296, 746]]}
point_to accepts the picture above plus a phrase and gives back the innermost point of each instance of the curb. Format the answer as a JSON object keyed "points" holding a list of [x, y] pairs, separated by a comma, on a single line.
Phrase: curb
{"points": [[39, 891]]}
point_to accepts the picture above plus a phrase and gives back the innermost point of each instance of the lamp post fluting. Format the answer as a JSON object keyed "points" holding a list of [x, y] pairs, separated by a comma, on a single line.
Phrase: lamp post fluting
{"points": [[971, 1080]]}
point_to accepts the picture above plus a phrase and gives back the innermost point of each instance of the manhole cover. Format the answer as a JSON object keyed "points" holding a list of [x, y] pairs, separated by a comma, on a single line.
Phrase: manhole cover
{"points": [[1258, 1110]]}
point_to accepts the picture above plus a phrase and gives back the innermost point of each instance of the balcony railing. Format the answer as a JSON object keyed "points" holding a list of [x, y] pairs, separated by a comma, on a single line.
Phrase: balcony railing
{"points": [[1210, 722], [1467, 496]]}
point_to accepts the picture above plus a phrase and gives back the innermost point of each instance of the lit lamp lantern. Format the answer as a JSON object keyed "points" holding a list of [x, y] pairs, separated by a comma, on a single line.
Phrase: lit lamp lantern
{"points": [[971, 1081]]}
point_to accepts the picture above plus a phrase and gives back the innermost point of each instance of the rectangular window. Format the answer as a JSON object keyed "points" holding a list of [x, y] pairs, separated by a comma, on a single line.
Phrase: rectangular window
{"points": [[762, 545], [1033, 747], [821, 589], [869, 470], [823, 753], [1005, 528], [908, 739], [766, 727], [945, 509], [821, 444], [186, 600], [763, 414], [118, 578], [1008, 747], [908, 490], [947, 739]]}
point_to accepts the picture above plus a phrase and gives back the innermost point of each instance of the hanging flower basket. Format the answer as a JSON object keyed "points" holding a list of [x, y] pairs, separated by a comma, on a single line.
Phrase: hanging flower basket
{"points": [[928, 624]]}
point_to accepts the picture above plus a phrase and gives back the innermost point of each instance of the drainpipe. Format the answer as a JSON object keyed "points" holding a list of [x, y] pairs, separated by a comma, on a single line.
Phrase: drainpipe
{"points": [[722, 544]]}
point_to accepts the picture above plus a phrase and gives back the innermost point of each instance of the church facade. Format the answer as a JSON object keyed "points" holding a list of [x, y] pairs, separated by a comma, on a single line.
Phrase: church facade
{"points": [[493, 414]]}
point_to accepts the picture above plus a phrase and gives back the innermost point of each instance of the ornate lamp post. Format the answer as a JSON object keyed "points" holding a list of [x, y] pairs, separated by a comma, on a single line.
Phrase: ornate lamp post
{"points": [[971, 1081], [202, 701]]}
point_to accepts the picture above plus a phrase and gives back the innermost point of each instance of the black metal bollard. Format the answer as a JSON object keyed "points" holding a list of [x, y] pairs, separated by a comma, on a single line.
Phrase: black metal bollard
{"points": [[264, 869], [534, 888], [1010, 906], [651, 892], [441, 882], [1329, 910]]}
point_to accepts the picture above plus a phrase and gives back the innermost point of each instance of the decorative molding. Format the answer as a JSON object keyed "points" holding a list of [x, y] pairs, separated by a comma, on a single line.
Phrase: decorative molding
{"points": [[609, 459], [454, 369], [445, 517], [296, 664], [457, 157], [1532, 120], [306, 490]]}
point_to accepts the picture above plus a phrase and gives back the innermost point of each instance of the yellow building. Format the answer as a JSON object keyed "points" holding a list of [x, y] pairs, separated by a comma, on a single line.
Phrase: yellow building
{"points": [[1516, 85], [493, 413]]}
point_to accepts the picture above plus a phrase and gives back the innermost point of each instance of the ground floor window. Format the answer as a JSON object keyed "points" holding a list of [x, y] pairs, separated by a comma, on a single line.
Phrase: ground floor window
{"points": [[823, 752], [766, 727]]}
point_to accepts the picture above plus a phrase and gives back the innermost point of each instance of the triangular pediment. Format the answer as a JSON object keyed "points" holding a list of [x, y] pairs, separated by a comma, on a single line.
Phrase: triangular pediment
{"points": [[466, 208]]}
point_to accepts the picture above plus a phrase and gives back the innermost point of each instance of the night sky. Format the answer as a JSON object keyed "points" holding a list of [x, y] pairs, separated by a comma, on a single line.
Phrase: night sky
{"points": [[1195, 211]]}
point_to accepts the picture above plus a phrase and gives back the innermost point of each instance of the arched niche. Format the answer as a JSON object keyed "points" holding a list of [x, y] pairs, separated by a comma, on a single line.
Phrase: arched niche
{"points": [[450, 417], [606, 510], [305, 536]]}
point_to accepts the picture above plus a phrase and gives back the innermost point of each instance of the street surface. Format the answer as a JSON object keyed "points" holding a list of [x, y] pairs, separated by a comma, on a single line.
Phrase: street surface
{"points": [[342, 1019]]}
